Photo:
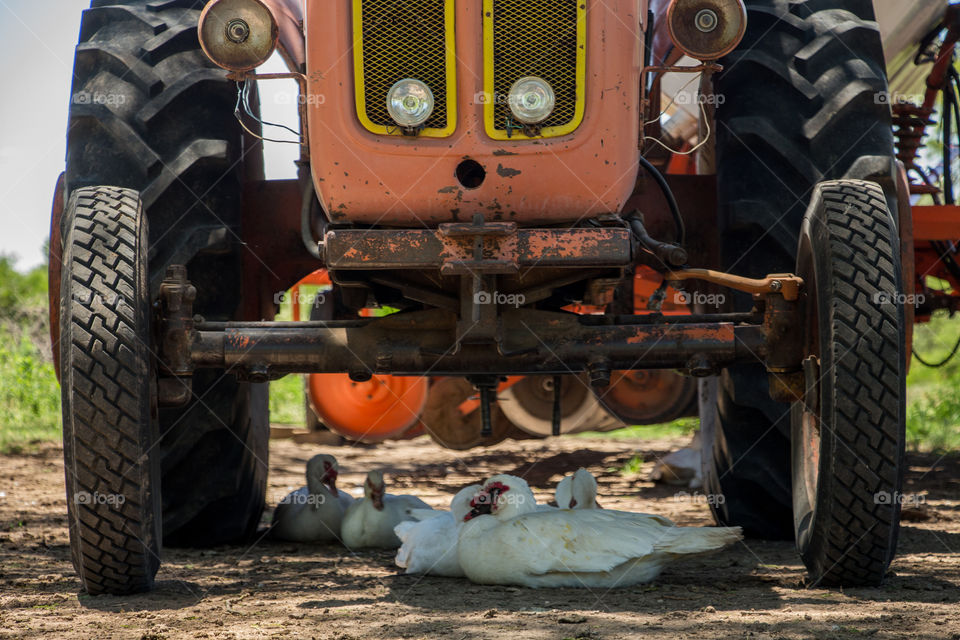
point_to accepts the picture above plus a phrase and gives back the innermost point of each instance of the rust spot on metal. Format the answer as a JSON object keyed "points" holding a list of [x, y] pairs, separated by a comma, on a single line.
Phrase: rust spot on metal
{"points": [[506, 172], [723, 332], [239, 341], [451, 189]]}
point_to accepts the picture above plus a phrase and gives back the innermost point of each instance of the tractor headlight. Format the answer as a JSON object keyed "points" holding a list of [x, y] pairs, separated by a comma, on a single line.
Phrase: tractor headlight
{"points": [[531, 100], [410, 102], [238, 35]]}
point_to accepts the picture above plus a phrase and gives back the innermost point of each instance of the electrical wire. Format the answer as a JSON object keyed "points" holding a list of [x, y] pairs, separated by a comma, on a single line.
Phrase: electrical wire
{"points": [[706, 138], [243, 99], [673, 99], [671, 200]]}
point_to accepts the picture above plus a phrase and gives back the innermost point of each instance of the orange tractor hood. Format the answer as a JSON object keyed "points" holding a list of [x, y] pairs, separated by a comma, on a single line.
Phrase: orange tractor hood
{"points": [[365, 177]]}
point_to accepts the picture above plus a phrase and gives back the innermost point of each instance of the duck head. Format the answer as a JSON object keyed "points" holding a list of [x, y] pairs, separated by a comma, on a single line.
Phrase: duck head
{"points": [[583, 490], [374, 488], [462, 507], [322, 471], [505, 497]]}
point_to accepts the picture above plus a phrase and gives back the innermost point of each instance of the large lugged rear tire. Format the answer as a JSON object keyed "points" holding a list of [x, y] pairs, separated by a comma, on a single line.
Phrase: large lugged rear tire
{"points": [[848, 435], [150, 112], [107, 386], [803, 99]]}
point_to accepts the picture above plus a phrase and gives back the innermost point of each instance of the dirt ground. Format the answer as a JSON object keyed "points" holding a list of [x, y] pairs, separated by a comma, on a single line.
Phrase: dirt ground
{"points": [[267, 589]]}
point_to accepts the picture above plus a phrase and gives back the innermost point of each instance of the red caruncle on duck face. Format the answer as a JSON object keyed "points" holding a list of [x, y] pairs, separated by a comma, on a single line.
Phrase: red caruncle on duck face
{"points": [[485, 502], [330, 477]]}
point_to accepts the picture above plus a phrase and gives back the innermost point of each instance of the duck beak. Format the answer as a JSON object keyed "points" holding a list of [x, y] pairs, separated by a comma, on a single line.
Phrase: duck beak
{"points": [[331, 482], [376, 497]]}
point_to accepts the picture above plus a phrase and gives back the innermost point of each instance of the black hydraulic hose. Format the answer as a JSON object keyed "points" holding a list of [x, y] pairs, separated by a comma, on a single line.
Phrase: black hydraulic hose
{"points": [[953, 87], [937, 365], [671, 200], [673, 255], [306, 215], [948, 112]]}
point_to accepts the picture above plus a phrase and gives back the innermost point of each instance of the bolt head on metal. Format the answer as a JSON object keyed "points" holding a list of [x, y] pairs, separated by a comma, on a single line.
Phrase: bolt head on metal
{"points": [[776, 285], [238, 31], [706, 20]]}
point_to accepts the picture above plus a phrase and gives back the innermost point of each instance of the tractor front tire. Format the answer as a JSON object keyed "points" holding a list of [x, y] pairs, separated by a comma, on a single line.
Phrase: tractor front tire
{"points": [[848, 435], [108, 391]]}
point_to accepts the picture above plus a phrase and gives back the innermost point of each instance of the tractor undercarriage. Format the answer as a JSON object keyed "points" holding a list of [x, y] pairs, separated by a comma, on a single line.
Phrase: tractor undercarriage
{"points": [[486, 326]]}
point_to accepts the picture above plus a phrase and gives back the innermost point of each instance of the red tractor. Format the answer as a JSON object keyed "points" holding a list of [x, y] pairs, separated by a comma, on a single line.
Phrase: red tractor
{"points": [[487, 169]]}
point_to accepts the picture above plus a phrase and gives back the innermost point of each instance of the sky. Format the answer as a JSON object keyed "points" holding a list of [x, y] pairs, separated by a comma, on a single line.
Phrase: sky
{"points": [[37, 39]]}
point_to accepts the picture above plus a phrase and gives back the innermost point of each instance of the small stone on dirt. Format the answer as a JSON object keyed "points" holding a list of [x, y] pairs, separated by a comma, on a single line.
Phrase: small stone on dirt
{"points": [[572, 619]]}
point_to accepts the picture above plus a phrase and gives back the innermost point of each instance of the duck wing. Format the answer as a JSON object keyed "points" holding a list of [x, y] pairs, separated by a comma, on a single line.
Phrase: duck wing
{"points": [[582, 541], [429, 546]]}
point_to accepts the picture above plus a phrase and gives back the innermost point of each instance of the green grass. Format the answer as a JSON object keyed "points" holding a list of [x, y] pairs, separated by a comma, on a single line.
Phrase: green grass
{"points": [[286, 401], [933, 410], [631, 467], [677, 428], [29, 394]]}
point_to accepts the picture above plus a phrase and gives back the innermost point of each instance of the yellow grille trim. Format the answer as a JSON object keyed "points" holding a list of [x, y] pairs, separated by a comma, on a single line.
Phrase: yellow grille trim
{"points": [[489, 79], [451, 76]]}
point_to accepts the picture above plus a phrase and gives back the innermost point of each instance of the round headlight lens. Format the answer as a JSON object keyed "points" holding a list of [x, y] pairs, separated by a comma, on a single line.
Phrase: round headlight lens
{"points": [[410, 102], [531, 100]]}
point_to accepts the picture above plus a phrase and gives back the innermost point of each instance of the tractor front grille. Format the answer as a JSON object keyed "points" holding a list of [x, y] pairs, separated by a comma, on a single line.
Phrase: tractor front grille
{"points": [[397, 39], [545, 38]]}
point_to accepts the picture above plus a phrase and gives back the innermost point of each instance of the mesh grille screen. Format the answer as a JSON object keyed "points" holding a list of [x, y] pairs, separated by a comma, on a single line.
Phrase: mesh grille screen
{"points": [[404, 39], [536, 38]]}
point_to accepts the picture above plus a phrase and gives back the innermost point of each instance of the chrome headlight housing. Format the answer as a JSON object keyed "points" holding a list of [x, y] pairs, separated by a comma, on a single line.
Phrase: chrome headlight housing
{"points": [[531, 100], [410, 102]]}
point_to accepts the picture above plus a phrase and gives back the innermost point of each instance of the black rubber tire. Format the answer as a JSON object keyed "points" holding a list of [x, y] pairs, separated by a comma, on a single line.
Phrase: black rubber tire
{"points": [[848, 448], [803, 100], [108, 393], [150, 112], [746, 474]]}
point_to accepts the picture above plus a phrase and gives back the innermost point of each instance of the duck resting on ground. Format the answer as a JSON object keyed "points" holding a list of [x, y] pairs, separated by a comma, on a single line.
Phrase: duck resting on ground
{"points": [[577, 491], [370, 522], [430, 543], [313, 513], [681, 467], [506, 540]]}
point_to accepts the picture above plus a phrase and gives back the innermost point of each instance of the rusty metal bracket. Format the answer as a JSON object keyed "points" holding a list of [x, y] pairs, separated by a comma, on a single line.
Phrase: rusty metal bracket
{"points": [[177, 332], [502, 259], [785, 284], [454, 250], [706, 67]]}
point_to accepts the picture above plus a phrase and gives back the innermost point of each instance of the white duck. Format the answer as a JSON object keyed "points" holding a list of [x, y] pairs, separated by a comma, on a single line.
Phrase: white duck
{"points": [[313, 513], [681, 467], [369, 522], [577, 491], [430, 544], [518, 545]]}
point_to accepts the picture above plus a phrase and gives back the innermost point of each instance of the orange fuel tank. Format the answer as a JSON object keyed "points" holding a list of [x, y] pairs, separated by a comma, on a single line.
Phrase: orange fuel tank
{"points": [[374, 174]]}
